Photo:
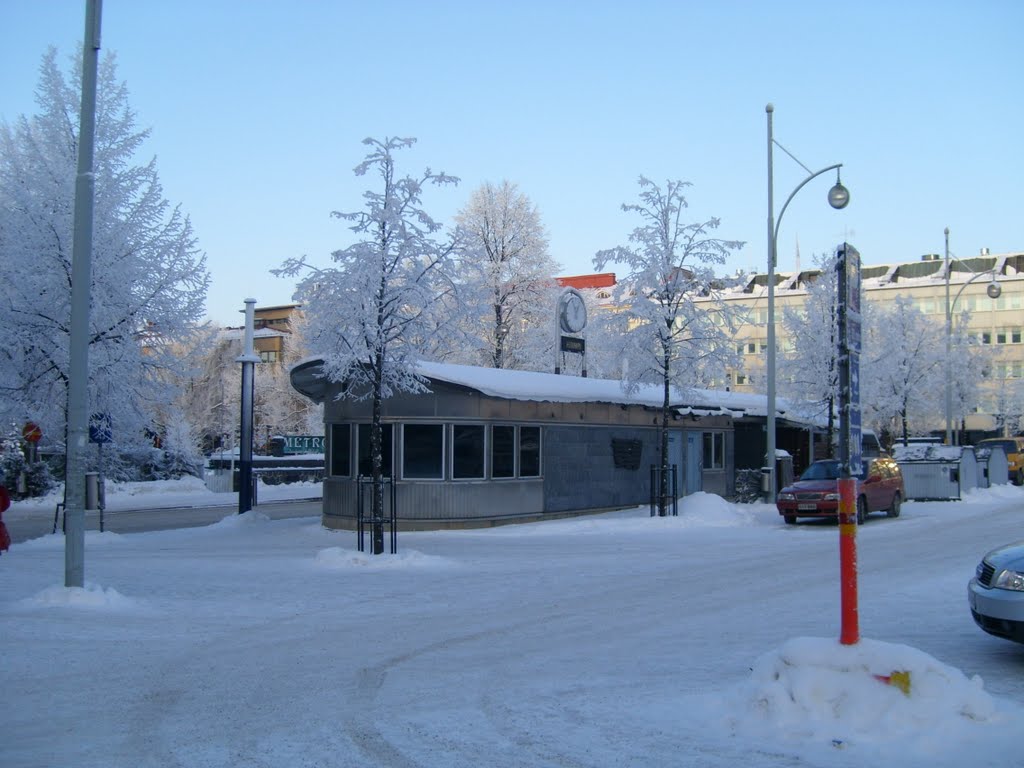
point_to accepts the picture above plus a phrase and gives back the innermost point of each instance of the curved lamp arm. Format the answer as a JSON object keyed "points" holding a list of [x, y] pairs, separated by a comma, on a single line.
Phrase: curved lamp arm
{"points": [[778, 221]]}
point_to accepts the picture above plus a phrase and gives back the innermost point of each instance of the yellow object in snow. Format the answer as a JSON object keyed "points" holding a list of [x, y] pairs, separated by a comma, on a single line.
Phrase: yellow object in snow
{"points": [[900, 679]]}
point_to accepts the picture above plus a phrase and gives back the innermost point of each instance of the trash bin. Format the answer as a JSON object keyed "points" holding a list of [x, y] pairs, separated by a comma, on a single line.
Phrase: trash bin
{"points": [[783, 472]]}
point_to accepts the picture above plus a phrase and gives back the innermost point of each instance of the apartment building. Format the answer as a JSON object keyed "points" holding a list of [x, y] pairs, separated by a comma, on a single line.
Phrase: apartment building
{"points": [[996, 323]]}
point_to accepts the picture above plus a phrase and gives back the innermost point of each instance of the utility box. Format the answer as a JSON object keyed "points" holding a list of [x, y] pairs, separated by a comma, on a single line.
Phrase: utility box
{"points": [[993, 466], [937, 472]]}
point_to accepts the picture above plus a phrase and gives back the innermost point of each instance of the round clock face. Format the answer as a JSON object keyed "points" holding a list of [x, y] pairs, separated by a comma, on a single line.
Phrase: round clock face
{"points": [[574, 314]]}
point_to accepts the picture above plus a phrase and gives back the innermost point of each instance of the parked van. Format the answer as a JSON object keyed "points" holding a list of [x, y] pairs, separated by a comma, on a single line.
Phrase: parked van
{"points": [[1013, 447]]}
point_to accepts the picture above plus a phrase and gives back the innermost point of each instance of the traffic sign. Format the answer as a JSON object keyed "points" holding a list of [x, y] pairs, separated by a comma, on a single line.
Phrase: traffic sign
{"points": [[100, 430], [31, 432]]}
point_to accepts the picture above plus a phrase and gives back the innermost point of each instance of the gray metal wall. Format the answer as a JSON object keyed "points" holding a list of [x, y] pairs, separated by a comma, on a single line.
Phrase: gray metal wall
{"points": [[579, 472]]}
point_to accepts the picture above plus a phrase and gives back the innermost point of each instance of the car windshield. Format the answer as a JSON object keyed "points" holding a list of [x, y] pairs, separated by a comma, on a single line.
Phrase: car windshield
{"points": [[822, 470]]}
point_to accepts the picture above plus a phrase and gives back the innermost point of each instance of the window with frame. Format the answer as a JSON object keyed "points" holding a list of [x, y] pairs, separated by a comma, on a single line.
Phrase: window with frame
{"points": [[341, 450], [467, 451], [365, 460], [269, 356], [503, 451], [529, 451], [423, 451], [714, 450]]}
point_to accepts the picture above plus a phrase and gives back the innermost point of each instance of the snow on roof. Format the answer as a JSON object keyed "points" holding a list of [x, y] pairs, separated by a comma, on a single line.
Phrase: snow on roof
{"points": [[230, 334], [550, 387], [929, 452], [554, 388]]}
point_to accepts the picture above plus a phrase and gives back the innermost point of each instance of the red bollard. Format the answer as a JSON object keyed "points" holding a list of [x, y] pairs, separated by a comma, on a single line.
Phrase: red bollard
{"points": [[850, 629]]}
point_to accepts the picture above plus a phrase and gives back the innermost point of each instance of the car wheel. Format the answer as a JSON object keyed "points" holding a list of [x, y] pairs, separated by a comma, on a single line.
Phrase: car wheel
{"points": [[1018, 479], [894, 508], [862, 510], [790, 519]]}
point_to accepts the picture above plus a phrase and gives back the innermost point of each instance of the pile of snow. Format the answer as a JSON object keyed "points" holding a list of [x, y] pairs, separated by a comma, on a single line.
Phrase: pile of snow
{"points": [[819, 691], [89, 597]]}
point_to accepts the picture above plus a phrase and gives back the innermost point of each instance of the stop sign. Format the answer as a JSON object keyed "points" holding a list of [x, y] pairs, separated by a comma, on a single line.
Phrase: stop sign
{"points": [[31, 432]]}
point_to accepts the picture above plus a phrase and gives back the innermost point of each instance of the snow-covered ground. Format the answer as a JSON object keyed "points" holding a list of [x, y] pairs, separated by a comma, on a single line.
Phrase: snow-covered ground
{"points": [[704, 640]]}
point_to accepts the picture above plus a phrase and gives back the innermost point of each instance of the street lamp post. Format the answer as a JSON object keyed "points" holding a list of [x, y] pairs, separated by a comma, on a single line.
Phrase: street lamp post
{"points": [[994, 291], [838, 198]]}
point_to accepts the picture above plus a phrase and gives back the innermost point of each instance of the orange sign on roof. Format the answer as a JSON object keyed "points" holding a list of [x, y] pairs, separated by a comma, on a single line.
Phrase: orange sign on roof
{"points": [[600, 280]]}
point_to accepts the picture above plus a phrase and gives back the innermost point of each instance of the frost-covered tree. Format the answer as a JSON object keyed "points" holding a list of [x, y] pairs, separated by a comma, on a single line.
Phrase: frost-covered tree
{"points": [[902, 366], [149, 279], [971, 366], [669, 339], [506, 278], [809, 368], [369, 314]]}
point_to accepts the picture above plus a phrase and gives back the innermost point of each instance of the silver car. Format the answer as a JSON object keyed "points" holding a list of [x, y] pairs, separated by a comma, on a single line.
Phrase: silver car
{"points": [[996, 593]]}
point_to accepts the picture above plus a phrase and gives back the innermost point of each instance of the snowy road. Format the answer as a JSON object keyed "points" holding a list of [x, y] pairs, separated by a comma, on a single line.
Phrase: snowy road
{"points": [[617, 640]]}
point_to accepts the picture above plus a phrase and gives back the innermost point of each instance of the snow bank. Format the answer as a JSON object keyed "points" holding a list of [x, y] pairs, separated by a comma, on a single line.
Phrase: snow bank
{"points": [[89, 597], [873, 692]]}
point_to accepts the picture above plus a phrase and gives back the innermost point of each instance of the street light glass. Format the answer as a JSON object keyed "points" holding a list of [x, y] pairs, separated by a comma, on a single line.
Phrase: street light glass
{"points": [[994, 290], [838, 196]]}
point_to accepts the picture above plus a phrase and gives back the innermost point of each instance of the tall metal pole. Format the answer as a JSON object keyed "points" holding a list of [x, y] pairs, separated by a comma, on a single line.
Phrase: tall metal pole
{"points": [[949, 350], [81, 278], [248, 359], [770, 450]]}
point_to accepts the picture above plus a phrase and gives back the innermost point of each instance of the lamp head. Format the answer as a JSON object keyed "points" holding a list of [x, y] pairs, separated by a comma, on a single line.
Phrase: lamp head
{"points": [[838, 196], [994, 290]]}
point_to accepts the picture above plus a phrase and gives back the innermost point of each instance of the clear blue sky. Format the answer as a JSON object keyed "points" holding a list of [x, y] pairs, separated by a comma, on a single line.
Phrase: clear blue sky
{"points": [[258, 109]]}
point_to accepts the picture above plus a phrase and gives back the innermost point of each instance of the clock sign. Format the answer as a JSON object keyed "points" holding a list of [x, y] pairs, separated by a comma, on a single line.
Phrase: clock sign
{"points": [[572, 312]]}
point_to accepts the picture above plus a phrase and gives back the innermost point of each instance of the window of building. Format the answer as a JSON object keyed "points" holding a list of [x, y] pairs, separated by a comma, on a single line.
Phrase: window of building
{"points": [[268, 355], [467, 451], [985, 337], [365, 461], [714, 450], [529, 451], [341, 450], [423, 451], [741, 378], [503, 451], [1008, 335]]}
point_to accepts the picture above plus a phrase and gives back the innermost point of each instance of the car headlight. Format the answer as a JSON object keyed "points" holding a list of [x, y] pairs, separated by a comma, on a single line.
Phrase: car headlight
{"points": [[1008, 579], [787, 497], [831, 497]]}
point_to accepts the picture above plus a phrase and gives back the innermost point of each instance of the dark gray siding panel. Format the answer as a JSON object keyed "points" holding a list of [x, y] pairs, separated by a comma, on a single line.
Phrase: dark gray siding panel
{"points": [[579, 472]]}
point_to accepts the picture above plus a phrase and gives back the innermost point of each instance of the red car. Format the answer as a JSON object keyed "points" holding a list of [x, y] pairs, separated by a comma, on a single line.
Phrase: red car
{"points": [[816, 493]]}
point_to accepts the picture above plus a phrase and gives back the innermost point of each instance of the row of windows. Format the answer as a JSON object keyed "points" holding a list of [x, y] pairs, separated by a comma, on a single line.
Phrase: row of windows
{"points": [[440, 451], [1014, 370], [751, 348]]}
